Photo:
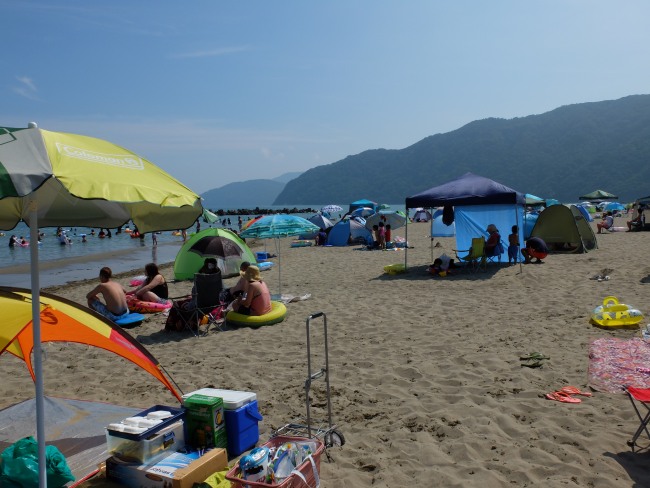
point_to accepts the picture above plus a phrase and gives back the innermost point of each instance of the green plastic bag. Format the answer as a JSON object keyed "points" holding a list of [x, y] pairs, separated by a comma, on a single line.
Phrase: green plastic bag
{"points": [[19, 465]]}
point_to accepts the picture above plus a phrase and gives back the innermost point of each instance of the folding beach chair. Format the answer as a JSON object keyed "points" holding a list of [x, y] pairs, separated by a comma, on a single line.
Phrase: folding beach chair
{"points": [[475, 259], [204, 307], [496, 257], [642, 397]]}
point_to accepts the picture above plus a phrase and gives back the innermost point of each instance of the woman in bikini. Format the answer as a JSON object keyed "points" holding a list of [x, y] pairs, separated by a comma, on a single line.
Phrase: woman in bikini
{"points": [[258, 298], [154, 289]]}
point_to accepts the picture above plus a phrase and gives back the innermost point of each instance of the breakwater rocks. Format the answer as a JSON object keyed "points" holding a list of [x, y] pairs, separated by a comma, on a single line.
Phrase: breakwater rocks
{"points": [[262, 211]]}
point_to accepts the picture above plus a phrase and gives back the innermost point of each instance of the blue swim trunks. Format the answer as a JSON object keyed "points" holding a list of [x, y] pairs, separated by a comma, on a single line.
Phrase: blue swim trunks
{"points": [[99, 307]]}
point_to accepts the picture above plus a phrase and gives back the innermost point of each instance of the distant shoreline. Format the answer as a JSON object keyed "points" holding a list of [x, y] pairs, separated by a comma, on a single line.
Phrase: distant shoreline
{"points": [[78, 268]]}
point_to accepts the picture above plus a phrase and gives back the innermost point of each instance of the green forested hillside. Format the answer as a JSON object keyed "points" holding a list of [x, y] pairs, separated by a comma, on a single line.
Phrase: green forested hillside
{"points": [[560, 154]]}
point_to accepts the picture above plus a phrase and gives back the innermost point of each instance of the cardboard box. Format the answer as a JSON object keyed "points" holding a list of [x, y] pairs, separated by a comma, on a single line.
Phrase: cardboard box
{"points": [[205, 422], [177, 470]]}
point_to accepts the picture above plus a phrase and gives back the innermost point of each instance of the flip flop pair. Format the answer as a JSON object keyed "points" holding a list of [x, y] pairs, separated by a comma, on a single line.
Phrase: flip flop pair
{"points": [[536, 357], [564, 395], [560, 396], [574, 390]]}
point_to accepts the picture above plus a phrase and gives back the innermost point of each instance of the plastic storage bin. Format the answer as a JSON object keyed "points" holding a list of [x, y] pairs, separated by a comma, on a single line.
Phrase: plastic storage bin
{"points": [[241, 415], [150, 449], [177, 413]]}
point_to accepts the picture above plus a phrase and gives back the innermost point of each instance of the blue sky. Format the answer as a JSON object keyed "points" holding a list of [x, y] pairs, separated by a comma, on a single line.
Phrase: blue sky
{"points": [[216, 92]]}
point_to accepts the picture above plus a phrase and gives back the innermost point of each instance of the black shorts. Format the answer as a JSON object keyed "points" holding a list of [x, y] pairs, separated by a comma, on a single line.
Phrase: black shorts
{"points": [[244, 310]]}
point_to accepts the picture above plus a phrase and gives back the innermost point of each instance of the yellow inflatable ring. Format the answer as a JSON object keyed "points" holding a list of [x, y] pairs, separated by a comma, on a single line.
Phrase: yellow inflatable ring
{"points": [[276, 315], [612, 314], [393, 269]]}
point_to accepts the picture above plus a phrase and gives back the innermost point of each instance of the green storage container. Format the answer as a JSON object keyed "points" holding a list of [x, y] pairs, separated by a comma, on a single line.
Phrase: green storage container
{"points": [[204, 420]]}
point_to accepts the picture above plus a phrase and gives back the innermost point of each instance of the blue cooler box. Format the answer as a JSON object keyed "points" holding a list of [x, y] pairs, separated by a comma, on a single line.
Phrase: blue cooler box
{"points": [[241, 416], [262, 256], [242, 428]]}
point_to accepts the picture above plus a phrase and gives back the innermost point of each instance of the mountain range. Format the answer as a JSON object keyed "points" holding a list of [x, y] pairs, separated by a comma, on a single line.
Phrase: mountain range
{"points": [[561, 154], [247, 194]]}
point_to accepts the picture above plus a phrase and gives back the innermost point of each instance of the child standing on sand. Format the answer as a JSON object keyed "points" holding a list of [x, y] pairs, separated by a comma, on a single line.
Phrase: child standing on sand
{"points": [[513, 245]]}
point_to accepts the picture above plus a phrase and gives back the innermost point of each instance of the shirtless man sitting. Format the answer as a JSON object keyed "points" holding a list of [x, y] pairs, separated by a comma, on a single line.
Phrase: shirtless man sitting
{"points": [[114, 295]]}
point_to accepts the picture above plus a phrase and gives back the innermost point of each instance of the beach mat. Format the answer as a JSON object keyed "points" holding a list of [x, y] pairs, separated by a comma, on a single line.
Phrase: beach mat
{"points": [[614, 363], [75, 427]]}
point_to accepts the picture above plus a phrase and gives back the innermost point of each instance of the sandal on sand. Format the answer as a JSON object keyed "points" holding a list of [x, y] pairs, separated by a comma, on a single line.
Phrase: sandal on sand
{"points": [[537, 356], [560, 396], [536, 364], [572, 390]]}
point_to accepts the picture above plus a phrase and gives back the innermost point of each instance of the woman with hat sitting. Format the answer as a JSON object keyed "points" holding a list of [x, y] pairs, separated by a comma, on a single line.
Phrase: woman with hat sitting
{"points": [[493, 241], [258, 298]]}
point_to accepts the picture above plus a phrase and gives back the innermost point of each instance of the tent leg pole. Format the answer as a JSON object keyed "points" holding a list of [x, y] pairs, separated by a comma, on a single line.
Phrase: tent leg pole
{"points": [[520, 227], [38, 356]]}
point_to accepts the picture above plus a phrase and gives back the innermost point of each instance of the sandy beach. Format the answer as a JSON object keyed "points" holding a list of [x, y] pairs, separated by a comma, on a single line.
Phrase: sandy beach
{"points": [[427, 383]]}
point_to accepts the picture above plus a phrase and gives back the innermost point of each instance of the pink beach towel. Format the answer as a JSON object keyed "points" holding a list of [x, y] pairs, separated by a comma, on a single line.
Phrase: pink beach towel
{"points": [[614, 363]]}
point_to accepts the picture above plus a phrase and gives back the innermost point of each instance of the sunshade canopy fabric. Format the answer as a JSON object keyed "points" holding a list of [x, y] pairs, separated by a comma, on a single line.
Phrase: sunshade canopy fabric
{"points": [[469, 189], [279, 225], [82, 181], [533, 200], [363, 203], [321, 221], [331, 208], [599, 195], [65, 321], [394, 218]]}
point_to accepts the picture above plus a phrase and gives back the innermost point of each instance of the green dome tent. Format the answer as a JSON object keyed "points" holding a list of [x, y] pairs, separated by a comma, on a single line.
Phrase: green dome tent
{"points": [[222, 244]]}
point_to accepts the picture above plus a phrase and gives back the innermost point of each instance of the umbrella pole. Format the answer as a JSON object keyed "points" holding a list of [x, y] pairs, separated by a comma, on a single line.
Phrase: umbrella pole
{"points": [[277, 243], [38, 358]]}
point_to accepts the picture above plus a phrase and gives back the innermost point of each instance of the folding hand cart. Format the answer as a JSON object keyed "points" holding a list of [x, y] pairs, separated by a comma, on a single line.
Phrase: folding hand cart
{"points": [[321, 429]]}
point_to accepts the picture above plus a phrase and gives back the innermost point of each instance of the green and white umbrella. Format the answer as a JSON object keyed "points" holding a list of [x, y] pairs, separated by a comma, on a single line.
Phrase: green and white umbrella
{"points": [[50, 179]]}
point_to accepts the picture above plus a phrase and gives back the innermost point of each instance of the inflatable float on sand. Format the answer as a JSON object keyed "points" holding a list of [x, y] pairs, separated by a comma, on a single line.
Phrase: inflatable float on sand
{"points": [[276, 315], [140, 306], [612, 314]]}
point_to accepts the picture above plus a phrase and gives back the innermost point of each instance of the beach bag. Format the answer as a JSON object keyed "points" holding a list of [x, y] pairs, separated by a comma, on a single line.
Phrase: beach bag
{"points": [[179, 314], [19, 465]]}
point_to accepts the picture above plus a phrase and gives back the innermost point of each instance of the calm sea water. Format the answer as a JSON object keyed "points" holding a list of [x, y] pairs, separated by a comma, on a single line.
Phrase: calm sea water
{"points": [[82, 260]]}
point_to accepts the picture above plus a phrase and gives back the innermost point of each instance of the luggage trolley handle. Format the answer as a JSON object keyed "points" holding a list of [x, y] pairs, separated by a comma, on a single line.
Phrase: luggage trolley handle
{"points": [[322, 372]]}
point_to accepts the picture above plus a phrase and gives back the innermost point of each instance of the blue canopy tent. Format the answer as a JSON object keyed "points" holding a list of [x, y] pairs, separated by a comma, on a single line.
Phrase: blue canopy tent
{"points": [[363, 203], [477, 201]]}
